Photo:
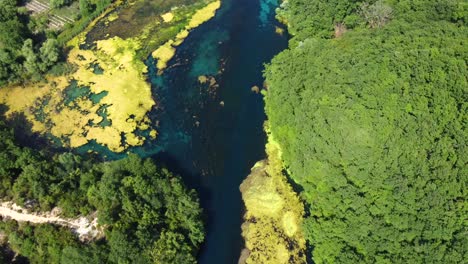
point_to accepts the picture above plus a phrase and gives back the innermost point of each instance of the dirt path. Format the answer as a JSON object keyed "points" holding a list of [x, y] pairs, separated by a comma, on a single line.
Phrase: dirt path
{"points": [[82, 226]]}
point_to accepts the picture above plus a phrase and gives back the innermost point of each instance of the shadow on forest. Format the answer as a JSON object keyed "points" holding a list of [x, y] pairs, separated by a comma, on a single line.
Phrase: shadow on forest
{"points": [[297, 188]]}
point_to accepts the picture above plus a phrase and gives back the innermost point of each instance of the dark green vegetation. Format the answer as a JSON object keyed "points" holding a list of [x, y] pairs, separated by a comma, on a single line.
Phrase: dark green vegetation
{"points": [[373, 127], [28, 48], [148, 215], [89, 10]]}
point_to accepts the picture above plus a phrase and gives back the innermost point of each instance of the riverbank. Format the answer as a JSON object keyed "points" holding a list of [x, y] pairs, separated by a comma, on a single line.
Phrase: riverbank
{"points": [[273, 216], [272, 227]]}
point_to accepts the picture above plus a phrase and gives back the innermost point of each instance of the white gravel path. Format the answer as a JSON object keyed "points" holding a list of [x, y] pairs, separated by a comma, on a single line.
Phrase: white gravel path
{"points": [[82, 226]]}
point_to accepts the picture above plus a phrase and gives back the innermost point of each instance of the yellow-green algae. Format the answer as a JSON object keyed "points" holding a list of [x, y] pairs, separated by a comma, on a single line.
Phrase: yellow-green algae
{"points": [[167, 17], [165, 52], [128, 98], [273, 218]]}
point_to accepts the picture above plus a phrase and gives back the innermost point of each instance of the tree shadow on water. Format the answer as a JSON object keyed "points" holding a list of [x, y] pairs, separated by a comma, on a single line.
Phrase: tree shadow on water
{"points": [[191, 180], [22, 130]]}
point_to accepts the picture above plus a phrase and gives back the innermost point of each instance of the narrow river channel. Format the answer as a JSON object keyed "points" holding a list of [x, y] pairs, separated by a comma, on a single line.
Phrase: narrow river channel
{"points": [[213, 134]]}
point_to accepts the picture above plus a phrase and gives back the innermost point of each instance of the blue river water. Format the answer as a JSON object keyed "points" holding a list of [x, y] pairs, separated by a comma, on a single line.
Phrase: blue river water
{"points": [[213, 134]]}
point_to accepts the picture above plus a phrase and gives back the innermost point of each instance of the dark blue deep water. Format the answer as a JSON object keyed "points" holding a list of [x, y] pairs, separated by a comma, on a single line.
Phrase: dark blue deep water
{"points": [[210, 145]]}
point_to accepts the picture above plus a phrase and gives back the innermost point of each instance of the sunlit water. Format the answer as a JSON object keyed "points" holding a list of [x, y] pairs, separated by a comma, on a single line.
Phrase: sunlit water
{"points": [[213, 146]]}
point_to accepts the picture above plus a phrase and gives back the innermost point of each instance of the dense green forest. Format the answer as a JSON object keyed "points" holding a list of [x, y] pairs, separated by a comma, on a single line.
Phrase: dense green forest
{"points": [[369, 105], [148, 215], [29, 48]]}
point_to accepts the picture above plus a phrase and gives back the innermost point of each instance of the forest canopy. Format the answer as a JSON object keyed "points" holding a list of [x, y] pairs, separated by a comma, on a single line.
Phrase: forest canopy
{"points": [[148, 215], [372, 123]]}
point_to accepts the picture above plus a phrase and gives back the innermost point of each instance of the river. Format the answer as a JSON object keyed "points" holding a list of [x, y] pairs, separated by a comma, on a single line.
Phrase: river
{"points": [[213, 136], [215, 156]]}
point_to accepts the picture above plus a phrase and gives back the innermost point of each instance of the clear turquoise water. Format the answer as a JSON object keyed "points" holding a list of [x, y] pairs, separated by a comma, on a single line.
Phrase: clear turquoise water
{"points": [[216, 155]]}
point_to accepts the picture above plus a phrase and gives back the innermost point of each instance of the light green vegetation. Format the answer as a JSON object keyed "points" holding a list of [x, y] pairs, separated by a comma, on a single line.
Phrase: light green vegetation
{"points": [[373, 127], [118, 51], [165, 52], [153, 22], [273, 220], [147, 214]]}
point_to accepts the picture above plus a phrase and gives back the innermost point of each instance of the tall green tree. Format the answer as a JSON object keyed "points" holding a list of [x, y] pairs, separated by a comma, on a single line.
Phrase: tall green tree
{"points": [[49, 54], [59, 3], [13, 33], [85, 8]]}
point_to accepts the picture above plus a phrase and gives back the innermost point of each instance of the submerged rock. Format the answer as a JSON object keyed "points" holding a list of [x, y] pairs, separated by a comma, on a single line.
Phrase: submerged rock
{"points": [[279, 31], [202, 79], [255, 89]]}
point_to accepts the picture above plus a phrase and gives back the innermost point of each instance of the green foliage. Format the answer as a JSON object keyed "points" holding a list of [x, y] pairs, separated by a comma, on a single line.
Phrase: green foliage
{"points": [[316, 18], [31, 60], [37, 64], [149, 216], [373, 127], [50, 244], [24, 55], [49, 54], [376, 14], [171, 248], [11, 22], [85, 8], [13, 32], [309, 18], [59, 3], [39, 23], [140, 201]]}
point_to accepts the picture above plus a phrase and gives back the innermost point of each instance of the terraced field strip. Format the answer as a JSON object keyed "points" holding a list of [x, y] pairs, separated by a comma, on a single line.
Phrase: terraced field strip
{"points": [[55, 21], [37, 7]]}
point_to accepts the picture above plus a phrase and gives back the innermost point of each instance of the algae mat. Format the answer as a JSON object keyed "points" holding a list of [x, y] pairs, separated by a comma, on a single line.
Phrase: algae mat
{"points": [[107, 99], [127, 100], [165, 52], [273, 217]]}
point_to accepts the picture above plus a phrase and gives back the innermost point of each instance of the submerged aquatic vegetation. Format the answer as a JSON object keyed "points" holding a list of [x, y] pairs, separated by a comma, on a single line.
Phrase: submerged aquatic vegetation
{"points": [[120, 80], [128, 98], [165, 52]]}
